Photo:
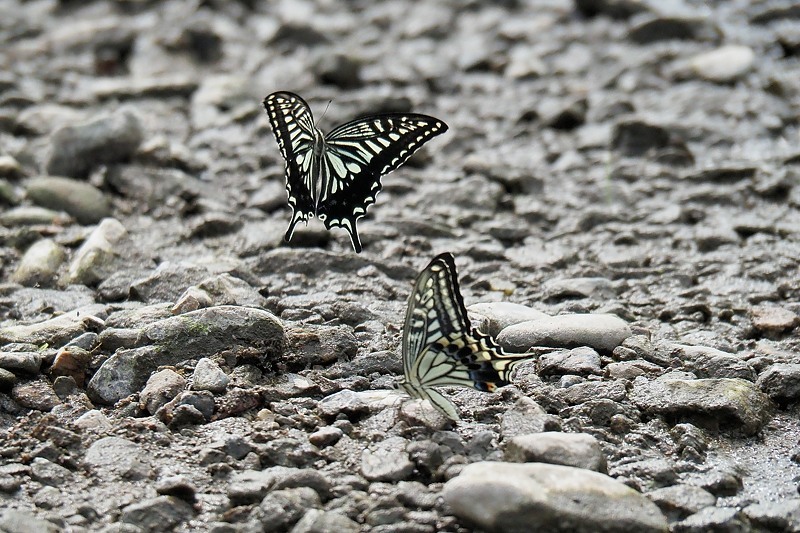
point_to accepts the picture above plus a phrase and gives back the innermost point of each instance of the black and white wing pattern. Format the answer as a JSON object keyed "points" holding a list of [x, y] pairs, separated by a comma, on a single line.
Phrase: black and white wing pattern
{"points": [[337, 176], [440, 347]]}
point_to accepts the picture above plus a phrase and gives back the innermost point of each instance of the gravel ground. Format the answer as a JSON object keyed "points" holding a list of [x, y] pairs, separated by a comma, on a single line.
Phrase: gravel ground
{"points": [[620, 186]]}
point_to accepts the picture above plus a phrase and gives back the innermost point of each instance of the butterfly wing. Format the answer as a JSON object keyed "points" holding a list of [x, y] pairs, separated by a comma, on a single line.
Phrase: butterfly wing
{"points": [[440, 347], [357, 154], [293, 126]]}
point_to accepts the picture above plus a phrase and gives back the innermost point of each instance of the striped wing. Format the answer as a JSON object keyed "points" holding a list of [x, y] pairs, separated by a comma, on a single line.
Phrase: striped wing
{"points": [[293, 126], [440, 348], [357, 154]]}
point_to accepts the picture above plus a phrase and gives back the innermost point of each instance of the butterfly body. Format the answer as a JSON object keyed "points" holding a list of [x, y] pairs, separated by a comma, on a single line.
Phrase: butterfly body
{"points": [[337, 176], [440, 347]]}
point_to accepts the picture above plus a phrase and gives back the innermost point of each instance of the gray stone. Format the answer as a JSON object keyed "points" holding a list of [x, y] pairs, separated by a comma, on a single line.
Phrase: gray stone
{"points": [[580, 450], [21, 362], [635, 138], [320, 345], [161, 387], [118, 458], [727, 519], [663, 28], [209, 376], [500, 315], [346, 401], [93, 419], [197, 334], [782, 515], [55, 331], [161, 513], [318, 521], [630, 370], [39, 266], [31, 215], [49, 473], [192, 299], [17, 521], [725, 64], [733, 404], [281, 509], [540, 497], [600, 288], [100, 255], [387, 461], [680, 501], [773, 320], [37, 394], [581, 361], [7, 380], [10, 167], [188, 408], [251, 486], [178, 486], [526, 417], [603, 332], [168, 282], [123, 374], [76, 150], [325, 436], [81, 200], [709, 362]]}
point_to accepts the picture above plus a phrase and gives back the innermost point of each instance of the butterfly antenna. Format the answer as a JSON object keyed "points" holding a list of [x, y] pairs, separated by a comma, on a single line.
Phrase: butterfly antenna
{"points": [[326, 109]]}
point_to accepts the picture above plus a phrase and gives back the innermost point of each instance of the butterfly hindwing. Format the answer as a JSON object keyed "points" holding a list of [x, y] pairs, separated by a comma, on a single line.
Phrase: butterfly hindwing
{"points": [[336, 177]]}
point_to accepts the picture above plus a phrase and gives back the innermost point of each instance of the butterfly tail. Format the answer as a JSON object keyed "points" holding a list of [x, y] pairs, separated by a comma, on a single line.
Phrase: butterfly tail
{"points": [[296, 217]]}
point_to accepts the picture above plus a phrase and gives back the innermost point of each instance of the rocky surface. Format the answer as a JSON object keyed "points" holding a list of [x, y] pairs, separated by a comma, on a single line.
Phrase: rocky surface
{"points": [[620, 185]]}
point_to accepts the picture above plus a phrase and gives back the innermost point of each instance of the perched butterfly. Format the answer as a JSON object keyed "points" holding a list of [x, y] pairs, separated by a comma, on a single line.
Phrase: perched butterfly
{"points": [[338, 175], [440, 347]]}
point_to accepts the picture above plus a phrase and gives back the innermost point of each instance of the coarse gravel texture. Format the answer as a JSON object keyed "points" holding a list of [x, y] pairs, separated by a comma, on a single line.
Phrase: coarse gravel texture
{"points": [[619, 184]]}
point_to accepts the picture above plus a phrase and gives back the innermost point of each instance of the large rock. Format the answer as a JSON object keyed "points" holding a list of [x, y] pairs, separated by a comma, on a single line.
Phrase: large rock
{"points": [[603, 332], [193, 335], [512, 498], [78, 149], [724, 403]]}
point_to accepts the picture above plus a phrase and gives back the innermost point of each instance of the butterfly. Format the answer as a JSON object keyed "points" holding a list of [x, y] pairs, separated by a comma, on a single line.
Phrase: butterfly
{"points": [[440, 346], [338, 175]]}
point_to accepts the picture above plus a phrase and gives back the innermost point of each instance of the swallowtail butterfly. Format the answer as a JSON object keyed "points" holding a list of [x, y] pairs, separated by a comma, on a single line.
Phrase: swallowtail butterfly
{"points": [[440, 347], [338, 175]]}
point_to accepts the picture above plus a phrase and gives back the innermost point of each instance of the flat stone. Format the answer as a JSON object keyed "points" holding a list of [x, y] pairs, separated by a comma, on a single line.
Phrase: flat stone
{"points": [[580, 450], [37, 394], [713, 519], [40, 263], [540, 497], [280, 509], [603, 332], [500, 315], [781, 381], [774, 319], [161, 513], [76, 150], [49, 473], [55, 331], [119, 458], [31, 215], [319, 521], [680, 501], [16, 521], [781, 515], [251, 486], [725, 64], [580, 361], [100, 254], [723, 403], [81, 200], [593, 287], [21, 362], [387, 461]]}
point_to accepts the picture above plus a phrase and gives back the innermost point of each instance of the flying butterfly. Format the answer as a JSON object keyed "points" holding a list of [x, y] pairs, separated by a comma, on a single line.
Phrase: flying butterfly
{"points": [[440, 346], [338, 175]]}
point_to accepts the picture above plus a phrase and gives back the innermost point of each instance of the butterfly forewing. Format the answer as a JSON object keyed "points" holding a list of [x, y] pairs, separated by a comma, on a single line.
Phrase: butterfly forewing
{"points": [[293, 126]]}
